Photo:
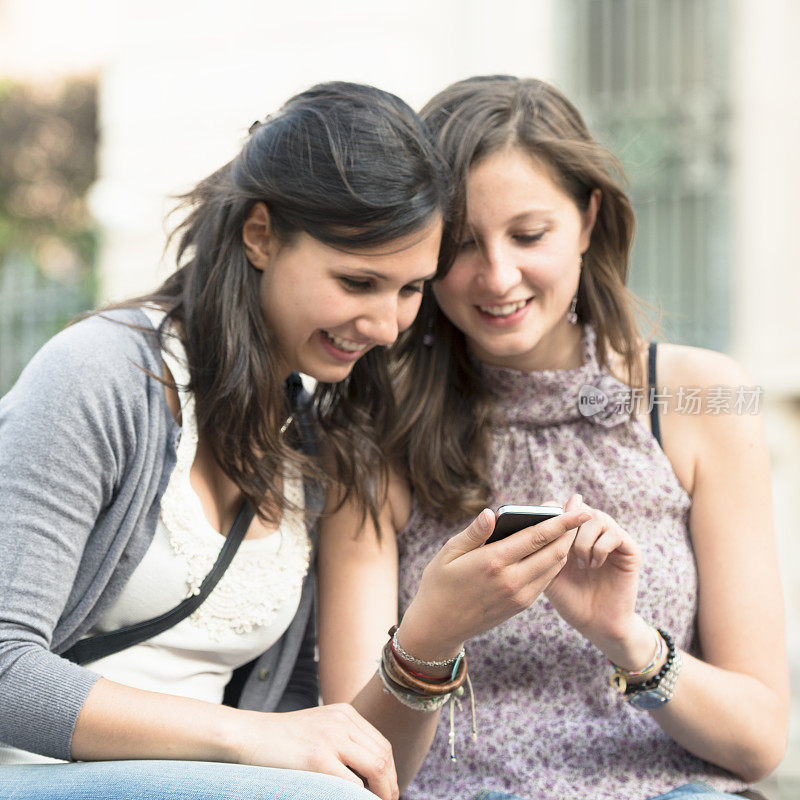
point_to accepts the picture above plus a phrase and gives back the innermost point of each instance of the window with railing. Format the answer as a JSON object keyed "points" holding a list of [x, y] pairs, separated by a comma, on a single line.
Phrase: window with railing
{"points": [[651, 78]]}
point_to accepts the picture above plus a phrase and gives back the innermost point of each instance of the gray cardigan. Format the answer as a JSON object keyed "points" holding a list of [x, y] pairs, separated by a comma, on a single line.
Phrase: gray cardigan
{"points": [[87, 445]]}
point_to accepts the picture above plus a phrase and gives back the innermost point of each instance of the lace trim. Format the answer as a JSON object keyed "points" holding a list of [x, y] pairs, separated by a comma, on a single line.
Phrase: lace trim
{"points": [[265, 573]]}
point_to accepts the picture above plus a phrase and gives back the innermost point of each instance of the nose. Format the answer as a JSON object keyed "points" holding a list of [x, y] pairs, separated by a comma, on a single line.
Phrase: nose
{"points": [[380, 322], [499, 271]]}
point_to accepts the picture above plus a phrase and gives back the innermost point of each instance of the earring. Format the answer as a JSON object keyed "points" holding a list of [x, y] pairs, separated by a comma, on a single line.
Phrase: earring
{"points": [[427, 338], [572, 316]]}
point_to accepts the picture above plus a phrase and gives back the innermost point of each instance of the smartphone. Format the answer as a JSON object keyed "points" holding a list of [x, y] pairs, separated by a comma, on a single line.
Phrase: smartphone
{"points": [[511, 519]]}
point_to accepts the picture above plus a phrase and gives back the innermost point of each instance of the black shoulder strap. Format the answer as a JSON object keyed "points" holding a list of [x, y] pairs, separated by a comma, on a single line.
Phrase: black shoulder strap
{"points": [[104, 644], [655, 424]]}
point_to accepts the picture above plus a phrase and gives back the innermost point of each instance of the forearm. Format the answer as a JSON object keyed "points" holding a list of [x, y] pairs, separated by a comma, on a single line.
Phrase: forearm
{"points": [[724, 716], [728, 718], [119, 722], [410, 732]]}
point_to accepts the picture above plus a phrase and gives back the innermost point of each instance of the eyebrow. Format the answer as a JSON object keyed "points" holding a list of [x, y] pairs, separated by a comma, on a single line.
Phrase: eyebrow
{"points": [[522, 216], [533, 212], [380, 276]]}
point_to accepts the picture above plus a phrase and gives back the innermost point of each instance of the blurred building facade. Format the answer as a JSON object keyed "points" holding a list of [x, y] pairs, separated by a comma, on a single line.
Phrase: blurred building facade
{"points": [[697, 97]]}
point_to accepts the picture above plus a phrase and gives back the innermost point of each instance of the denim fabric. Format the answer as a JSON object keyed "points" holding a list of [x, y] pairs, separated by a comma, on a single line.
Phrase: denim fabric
{"points": [[170, 780], [702, 790], [685, 792]]}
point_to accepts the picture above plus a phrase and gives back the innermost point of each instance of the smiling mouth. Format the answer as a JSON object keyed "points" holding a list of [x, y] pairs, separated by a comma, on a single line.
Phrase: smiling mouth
{"points": [[506, 309], [347, 345]]}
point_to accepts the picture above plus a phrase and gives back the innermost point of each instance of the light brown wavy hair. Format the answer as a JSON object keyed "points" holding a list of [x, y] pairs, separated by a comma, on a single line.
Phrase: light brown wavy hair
{"points": [[439, 442], [353, 167]]}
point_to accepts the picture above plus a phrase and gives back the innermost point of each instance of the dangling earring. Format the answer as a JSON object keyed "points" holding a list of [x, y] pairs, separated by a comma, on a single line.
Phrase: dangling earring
{"points": [[572, 316], [427, 338]]}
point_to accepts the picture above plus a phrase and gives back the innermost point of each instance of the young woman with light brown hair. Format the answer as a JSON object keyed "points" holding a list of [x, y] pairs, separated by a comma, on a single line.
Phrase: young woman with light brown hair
{"points": [[674, 580]]}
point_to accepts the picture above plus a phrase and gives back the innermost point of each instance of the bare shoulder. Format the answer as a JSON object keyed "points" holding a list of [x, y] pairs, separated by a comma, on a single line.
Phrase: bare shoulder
{"points": [[709, 410], [695, 367], [707, 393]]}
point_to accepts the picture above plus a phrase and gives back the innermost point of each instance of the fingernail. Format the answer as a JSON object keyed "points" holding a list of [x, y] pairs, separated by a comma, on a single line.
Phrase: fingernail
{"points": [[595, 562], [580, 498], [483, 520], [581, 564]]}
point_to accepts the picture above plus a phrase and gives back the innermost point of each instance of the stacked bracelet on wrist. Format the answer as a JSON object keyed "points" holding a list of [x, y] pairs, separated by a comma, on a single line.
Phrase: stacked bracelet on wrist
{"points": [[659, 684], [423, 692], [620, 677]]}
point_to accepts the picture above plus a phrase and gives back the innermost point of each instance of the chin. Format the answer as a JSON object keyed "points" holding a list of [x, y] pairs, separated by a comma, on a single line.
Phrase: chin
{"points": [[328, 374]]}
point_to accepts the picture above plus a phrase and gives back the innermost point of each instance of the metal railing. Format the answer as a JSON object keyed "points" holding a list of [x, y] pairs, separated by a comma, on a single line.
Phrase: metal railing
{"points": [[32, 309]]}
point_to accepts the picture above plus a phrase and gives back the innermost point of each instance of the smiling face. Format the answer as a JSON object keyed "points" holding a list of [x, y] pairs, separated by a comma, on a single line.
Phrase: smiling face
{"points": [[326, 307], [518, 268]]}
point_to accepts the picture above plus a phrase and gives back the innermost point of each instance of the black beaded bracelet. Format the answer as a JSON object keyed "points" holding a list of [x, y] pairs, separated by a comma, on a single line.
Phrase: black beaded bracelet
{"points": [[652, 683]]}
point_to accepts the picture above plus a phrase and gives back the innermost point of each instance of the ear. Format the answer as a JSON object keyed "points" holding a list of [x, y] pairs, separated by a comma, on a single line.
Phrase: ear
{"points": [[260, 244], [589, 218]]}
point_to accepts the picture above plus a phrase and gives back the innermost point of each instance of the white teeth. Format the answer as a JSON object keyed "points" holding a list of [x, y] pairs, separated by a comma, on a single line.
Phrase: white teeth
{"points": [[504, 310], [344, 344]]}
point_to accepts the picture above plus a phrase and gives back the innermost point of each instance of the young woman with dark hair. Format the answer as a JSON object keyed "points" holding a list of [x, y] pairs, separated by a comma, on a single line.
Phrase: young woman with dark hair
{"points": [[673, 580], [132, 440]]}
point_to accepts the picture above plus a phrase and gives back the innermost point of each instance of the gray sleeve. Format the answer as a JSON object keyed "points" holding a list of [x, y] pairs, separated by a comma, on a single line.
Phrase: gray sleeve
{"points": [[66, 430]]}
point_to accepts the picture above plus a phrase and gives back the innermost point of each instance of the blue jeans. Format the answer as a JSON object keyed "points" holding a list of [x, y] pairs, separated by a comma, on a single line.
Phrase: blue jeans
{"points": [[701, 790], [170, 780], [685, 792]]}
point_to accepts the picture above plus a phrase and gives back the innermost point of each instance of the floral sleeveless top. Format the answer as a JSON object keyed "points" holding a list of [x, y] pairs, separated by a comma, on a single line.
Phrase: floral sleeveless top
{"points": [[550, 727]]}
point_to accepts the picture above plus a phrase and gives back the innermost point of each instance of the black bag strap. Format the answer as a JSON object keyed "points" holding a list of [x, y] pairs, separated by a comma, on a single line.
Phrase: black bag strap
{"points": [[105, 644]]}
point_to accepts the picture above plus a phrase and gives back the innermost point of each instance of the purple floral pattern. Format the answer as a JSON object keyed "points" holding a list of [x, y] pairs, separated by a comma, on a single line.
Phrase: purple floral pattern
{"points": [[550, 726]]}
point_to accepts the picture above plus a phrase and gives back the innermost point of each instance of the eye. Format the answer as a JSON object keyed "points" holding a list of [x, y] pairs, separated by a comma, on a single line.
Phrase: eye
{"points": [[528, 238], [466, 244], [411, 289], [356, 284]]}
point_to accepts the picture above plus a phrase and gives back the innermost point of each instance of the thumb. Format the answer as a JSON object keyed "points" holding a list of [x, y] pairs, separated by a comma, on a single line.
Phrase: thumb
{"points": [[473, 536]]}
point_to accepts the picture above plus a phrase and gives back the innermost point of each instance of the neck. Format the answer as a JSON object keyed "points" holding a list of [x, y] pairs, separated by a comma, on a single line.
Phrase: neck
{"points": [[560, 348]]}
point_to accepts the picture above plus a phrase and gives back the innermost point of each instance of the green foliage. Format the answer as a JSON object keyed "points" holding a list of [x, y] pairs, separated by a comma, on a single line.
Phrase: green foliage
{"points": [[48, 240], [48, 144]]}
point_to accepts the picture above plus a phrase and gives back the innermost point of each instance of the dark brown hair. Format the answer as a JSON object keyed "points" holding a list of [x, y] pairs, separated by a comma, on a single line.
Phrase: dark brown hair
{"points": [[440, 439], [351, 166]]}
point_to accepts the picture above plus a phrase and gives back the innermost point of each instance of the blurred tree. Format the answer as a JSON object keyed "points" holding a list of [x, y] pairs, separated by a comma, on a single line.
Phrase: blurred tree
{"points": [[48, 241]]}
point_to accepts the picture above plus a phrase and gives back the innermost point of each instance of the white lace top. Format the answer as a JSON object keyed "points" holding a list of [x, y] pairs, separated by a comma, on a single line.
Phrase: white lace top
{"points": [[248, 610]]}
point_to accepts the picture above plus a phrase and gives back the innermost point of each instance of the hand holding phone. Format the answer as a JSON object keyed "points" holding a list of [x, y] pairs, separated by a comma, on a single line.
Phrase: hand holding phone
{"points": [[511, 519]]}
